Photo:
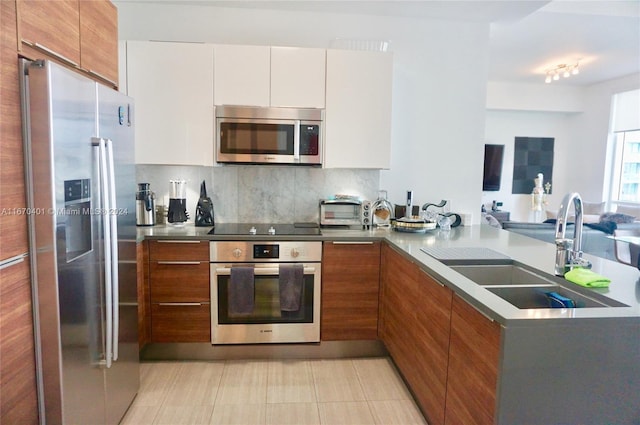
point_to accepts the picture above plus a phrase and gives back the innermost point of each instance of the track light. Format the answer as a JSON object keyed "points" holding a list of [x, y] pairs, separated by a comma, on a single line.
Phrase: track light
{"points": [[553, 74]]}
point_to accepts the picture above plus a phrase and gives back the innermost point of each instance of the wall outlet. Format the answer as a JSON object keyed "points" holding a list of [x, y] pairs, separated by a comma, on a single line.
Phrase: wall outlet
{"points": [[467, 219]]}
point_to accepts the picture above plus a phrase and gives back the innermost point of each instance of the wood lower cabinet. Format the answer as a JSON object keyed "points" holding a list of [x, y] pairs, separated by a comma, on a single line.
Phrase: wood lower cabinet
{"points": [[474, 355], [415, 318], [18, 401], [179, 291], [350, 290]]}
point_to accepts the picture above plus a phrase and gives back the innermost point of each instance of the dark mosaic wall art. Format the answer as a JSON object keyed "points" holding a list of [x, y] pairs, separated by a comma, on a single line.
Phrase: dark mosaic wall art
{"points": [[532, 155]]}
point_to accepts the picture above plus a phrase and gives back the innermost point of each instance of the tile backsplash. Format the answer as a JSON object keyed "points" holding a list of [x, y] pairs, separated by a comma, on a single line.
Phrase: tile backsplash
{"points": [[260, 194]]}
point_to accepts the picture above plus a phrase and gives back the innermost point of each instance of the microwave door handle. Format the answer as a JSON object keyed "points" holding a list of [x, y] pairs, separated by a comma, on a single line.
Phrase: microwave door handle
{"points": [[262, 271], [296, 141]]}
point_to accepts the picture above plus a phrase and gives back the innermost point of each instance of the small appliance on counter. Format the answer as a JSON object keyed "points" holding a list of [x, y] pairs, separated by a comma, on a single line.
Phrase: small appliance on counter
{"points": [[346, 211], [204, 209], [177, 213], [145, 206]]}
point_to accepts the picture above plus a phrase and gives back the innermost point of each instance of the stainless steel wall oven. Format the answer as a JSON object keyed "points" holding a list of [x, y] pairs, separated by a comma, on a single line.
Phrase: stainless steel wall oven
{"points": [[265, 291]]}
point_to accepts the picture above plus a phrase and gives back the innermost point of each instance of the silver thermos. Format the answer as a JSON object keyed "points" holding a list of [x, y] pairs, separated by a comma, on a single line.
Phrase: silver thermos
{"points": [[145, 206]]}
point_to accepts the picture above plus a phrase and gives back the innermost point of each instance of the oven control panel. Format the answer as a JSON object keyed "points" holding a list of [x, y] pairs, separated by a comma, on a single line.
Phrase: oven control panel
{"points": [[263, 251]]}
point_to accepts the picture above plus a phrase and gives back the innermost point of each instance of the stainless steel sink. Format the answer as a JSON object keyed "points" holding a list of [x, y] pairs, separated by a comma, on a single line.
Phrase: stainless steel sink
{"points": [[527, 297], [502, 274], [528, 288]]}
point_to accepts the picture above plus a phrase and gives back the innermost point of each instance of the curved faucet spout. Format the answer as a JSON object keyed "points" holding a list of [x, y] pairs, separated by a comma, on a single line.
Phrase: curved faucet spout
{"points": [[569, 251]]}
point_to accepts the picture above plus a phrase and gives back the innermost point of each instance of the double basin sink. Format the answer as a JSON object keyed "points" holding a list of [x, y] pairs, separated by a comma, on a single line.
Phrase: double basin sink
{"points": [[528, 288]]}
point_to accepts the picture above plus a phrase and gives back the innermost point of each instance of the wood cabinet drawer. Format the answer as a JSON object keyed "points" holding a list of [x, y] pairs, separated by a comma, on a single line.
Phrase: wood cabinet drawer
{"points": [[179, 250], [181, 322], [179, 281]]}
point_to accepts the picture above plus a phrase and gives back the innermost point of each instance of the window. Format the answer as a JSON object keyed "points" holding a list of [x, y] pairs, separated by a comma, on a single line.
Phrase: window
{"points": [[623, 165], [627, 167]]}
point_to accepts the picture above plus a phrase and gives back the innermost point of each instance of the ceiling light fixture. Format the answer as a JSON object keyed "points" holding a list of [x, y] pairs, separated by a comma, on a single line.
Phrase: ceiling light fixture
{"points": [[562, 69]]}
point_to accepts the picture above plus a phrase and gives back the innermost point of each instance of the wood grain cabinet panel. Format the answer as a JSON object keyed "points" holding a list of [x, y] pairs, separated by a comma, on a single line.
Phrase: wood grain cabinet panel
{"points": [[53, 25], [415, 328], [18, 401], [179, 291], [181, 322], [350, 289], [473, 366], [187, 250], [99, 39], [13, 218], [179, 281]]}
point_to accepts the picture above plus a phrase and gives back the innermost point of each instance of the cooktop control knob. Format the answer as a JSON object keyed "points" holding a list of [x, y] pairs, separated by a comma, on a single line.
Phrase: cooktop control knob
{"points": [[253, 230], [237, 252], [272, 231], [295, 253]]}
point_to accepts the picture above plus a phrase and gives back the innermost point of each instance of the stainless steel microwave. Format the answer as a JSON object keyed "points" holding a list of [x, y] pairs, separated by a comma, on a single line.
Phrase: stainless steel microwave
{"points": [[263, 135]]}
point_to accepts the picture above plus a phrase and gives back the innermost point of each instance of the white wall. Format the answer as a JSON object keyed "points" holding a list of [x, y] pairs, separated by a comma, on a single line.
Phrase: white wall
{"points": [[502, 127], [581, 157], [439, 85]]}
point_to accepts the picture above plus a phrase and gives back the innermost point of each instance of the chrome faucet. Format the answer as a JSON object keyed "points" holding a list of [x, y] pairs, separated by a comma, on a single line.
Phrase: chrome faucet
{"points": [[569, 251]]}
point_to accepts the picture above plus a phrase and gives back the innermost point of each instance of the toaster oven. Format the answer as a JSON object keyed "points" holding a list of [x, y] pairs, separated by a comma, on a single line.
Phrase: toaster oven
{"points": [[345, 212]]}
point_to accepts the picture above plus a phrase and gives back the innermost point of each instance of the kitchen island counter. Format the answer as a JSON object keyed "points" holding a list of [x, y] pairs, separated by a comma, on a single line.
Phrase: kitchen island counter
{"points": [[624, 288]]}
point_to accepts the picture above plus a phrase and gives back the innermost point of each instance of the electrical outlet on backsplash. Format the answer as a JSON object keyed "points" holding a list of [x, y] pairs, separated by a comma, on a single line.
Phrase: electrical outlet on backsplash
{"points": [[260, 194]]}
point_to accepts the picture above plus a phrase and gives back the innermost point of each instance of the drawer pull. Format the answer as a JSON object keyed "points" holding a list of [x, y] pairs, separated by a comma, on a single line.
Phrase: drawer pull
{"points": [[180, 304], [352, 243], [176, 241], [180, 263]]}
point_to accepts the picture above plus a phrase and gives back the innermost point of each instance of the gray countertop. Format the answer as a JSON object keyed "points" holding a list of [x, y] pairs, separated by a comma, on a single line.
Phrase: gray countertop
{"points": [[625, 280]]}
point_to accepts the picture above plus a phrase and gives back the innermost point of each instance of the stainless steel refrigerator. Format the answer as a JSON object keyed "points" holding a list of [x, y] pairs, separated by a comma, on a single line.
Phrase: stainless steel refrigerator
{"points": [[79, 151]]}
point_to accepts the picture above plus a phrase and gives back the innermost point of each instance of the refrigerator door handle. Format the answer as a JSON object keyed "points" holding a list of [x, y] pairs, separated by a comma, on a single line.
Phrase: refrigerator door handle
{"points": [[106, 207], [113, 219]]}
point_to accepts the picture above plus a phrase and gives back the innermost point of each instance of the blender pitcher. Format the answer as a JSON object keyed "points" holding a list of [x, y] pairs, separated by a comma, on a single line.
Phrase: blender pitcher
{"points": [[177, 213]]}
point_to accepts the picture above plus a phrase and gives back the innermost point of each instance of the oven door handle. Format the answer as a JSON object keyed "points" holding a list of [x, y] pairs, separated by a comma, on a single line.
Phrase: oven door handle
{"points": [[262, 271]]}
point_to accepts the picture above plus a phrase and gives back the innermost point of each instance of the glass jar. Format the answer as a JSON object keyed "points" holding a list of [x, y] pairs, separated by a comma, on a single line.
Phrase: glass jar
{"points": [[381, 210]]}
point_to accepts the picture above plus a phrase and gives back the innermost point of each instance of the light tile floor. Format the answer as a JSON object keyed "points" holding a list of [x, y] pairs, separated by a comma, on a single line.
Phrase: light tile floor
{"points": [[273, 392]]}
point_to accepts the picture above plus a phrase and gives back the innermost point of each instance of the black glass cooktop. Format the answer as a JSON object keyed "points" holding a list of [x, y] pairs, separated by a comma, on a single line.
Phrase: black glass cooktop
{"points": [[266, 229]]}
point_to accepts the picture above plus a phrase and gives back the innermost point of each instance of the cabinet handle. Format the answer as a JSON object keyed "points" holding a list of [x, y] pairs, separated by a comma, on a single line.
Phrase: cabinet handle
{"points": [[478, 310], [352, 243], [12, 261], [52, 53], [432, 278], [177, 241], [180, 304], [180, 263], [102, 77]]}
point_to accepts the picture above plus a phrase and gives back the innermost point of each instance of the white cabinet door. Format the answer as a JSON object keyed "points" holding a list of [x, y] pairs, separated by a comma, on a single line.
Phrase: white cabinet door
{"points": [[242, 75], [358, 109], [172, 85], [298, 77]]}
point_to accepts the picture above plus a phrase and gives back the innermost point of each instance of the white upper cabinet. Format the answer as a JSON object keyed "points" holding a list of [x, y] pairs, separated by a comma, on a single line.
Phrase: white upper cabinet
{"points": [[358, 109], [172, 85], [298, 77], [242, 75]]}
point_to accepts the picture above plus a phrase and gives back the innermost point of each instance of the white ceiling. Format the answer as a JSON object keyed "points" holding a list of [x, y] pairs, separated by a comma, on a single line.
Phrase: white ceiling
{"points": [[527, 37]]}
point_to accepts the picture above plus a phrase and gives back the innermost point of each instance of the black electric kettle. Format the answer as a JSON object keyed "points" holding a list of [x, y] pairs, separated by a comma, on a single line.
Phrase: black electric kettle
{"points": [[204, 209]]}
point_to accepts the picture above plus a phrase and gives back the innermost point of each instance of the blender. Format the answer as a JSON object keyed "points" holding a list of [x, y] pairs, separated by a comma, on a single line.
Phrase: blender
{"points": [[177, 213], [145, 206]]}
